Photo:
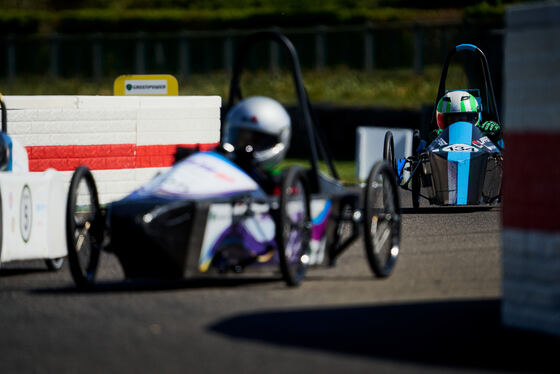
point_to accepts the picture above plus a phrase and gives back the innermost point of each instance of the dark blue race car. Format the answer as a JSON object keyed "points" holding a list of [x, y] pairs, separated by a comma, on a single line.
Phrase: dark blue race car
{"points": [[462, 165]]}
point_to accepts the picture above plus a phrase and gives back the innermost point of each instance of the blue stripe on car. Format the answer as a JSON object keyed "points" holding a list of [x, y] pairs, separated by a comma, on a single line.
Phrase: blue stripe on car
{"points": [[461, 133]]}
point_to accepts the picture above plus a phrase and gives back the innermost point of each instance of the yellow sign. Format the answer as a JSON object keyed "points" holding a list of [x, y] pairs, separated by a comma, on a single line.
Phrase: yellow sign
{"points": [[146, 85]]}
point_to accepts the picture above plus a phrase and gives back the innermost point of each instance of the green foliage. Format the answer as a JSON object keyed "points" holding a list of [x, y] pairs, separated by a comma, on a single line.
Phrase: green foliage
{"points": [[169, 20], [485, 13], [342, 86], [18, 21], [346, 169], [161, 20]]}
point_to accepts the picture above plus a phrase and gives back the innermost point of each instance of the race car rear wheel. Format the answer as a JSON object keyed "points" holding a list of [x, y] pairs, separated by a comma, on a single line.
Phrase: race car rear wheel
{"points": [[389, 151], [382, 219], [293, 231], [84, 227]]}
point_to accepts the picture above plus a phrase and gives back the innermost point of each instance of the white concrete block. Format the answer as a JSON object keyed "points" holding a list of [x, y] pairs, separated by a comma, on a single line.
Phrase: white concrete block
{"points": [[67, 127], [69, 115], [91, 120], [369, 147], [108, 102], [164, 114], [530, 318], [531, 280], [532, 68], [171, 125], [76, 139], [180, 101], [178, 137], [40, 101]]}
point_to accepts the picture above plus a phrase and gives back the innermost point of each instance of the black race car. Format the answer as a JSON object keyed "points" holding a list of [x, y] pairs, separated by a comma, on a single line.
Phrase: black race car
{"points": [[206, 215]]}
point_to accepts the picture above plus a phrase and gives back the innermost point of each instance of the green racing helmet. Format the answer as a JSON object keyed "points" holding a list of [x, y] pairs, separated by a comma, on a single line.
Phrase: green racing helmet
{"points": [[456, 106]]}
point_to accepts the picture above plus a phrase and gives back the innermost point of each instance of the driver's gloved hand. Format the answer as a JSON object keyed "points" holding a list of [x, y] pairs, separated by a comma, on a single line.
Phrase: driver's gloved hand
{"points": [[434, 134], [491, 129]]}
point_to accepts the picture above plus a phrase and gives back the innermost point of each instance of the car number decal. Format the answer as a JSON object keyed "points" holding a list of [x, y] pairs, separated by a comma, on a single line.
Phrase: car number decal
{"points": [[459, 148], [25, 213]]}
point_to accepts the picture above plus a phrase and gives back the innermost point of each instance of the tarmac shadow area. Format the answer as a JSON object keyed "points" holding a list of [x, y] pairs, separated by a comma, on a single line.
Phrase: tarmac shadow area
{"points": [[462, 334]]}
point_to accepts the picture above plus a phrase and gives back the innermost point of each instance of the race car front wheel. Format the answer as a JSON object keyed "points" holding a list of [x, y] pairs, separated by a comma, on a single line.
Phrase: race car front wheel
{"points": [[382, 219], [389, 151], [293, 231], [84, 227]]}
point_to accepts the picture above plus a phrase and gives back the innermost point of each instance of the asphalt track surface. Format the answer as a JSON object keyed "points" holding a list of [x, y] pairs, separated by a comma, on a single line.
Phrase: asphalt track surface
{"points": [[439, 312]]}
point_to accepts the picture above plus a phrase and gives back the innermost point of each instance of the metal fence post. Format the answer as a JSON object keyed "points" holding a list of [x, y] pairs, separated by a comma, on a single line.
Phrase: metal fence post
{"points": [[10, 57], [97, 54], [274, 55], [369, 48], [184, 55], [140, 53], [159, 53], [443, 43], [228, 52], [54, 55], [320, 47], [418, 49]]}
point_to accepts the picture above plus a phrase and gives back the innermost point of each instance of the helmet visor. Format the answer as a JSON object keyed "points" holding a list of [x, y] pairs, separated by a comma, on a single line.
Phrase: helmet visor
{"points": [[242, 137]]}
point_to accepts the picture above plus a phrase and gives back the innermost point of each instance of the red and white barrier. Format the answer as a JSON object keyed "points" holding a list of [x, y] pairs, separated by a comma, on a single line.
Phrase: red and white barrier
{"points": [[125, 140], [531, 186]]}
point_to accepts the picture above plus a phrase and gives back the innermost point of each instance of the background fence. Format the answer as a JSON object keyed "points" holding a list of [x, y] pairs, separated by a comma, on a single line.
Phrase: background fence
{"points": [[367, 47]]}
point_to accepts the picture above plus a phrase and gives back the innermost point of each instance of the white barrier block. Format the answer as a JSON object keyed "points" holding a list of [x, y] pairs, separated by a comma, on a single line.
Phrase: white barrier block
{"points": [[39, 231], [69, 115], [108, 102], [369, 146], [40, 102], [92, 127], [161, 114], [170, 125], [76, 139], [106, 120], [178, 137], [180, 102]]}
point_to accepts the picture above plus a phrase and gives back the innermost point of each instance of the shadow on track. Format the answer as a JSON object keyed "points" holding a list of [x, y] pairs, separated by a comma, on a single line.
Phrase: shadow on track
{"points": [[448, 209], [148, 285], [22, 271], [465, 334]]}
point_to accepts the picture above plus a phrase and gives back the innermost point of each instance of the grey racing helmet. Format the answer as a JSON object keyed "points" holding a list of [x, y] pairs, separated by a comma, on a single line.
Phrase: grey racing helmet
{"points": [[260, 125]]}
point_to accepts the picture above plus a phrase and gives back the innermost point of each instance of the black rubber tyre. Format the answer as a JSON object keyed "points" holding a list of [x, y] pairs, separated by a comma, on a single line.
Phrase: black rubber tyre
{"points": [[84, 227], [54, 264], [389, 151], [416, 177], [382, 220], [291, 230]]}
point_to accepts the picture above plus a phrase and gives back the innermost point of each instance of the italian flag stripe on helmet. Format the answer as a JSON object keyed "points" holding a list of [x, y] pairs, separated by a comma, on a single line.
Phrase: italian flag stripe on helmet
{"points": [[473, 104]]}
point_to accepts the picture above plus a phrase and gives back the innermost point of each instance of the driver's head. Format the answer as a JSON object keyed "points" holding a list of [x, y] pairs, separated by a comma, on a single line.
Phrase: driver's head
{"points": [[260, 125], [457, 106]]}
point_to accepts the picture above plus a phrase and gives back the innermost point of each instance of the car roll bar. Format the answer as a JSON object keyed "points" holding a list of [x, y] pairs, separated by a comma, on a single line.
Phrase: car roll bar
{"points": [[4, 115], [316, 139], [491, 106]]}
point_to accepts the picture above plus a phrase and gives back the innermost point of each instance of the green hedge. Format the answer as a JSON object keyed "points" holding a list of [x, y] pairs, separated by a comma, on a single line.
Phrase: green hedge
{"points": [[168, 20], [18, 21]]}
